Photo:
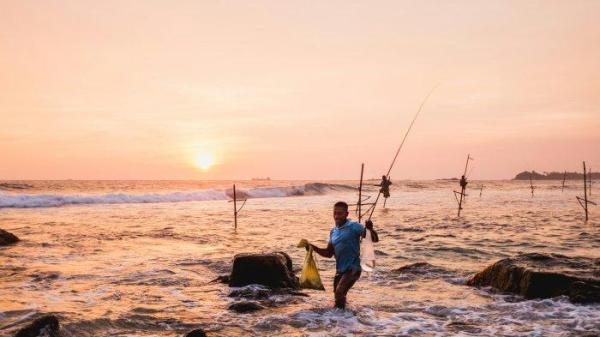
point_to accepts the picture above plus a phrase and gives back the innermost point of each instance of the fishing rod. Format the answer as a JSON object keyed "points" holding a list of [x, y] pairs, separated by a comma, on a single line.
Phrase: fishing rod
{"points": [[400, 147]]}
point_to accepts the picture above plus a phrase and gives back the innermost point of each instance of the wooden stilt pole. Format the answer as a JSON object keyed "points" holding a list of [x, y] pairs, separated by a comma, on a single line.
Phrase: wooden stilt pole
{"points": [[359, 204], [462, 193], [531, 183], [589, 178], [564, 178], [480, 190], [235, 210], [585, 201], [463, 189]]}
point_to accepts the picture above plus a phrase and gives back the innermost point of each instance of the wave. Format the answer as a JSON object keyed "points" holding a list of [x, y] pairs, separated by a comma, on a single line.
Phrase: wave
{"points": [[15, 186], [56, 200]]}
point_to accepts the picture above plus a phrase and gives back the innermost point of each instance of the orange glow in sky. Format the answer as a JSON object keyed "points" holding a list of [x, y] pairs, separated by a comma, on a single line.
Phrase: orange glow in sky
{"points": [[296, 90]]}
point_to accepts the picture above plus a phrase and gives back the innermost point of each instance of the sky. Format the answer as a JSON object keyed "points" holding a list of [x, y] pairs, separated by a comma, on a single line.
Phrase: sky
{"points": [[296, 89]]}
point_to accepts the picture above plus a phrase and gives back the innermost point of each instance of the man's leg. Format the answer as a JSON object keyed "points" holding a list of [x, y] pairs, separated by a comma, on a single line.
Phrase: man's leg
{"points": [[345, 282], [336, 280]]}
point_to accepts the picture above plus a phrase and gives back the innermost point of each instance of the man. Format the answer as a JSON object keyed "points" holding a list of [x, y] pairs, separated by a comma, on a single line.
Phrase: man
{"points": [[463, 182], [344, 244], [385, 186]]}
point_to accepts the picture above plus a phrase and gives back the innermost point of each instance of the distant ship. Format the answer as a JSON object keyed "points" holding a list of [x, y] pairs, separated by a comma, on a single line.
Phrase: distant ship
{"points": [[265, 178]]}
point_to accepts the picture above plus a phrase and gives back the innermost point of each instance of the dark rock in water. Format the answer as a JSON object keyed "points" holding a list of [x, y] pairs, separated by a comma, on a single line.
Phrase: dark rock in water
{"points": [[536, 275], [251, 291], [45, 326], [7, 238], [196, 333], [272, 270], [244, 307], [422, 270], [458, 327], [258, 292], [221, 279]]}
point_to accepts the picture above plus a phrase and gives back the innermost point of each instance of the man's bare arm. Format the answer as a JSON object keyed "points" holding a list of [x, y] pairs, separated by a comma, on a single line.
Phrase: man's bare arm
{"points": [[325, 252]]}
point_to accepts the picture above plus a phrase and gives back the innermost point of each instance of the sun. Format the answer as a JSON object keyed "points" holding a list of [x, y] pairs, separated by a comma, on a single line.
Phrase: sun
{"points": [[204, 160]]}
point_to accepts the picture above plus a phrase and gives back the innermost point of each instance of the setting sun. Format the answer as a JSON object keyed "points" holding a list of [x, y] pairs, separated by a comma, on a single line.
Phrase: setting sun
{"points": [[204, 160]]}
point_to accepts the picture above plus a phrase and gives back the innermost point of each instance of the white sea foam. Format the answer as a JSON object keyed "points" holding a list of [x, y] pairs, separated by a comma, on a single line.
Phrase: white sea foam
{"points": [[54, 200], [12, 200], [549, 317]]}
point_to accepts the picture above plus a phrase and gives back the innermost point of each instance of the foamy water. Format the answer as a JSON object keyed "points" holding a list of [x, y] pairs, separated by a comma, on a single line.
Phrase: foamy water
{"points": [[137, 258]]}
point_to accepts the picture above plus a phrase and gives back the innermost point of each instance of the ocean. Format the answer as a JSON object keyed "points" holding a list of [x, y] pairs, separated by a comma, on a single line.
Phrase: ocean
{"points": [[136, 258]]}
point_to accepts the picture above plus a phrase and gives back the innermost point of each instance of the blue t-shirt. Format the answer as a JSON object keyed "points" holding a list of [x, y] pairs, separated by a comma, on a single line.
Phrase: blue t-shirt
{"points": [[346, 245]]}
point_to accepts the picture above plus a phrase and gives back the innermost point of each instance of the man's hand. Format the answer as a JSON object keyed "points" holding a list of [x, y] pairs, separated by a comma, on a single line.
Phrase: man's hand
{"points": [[369, 224]]}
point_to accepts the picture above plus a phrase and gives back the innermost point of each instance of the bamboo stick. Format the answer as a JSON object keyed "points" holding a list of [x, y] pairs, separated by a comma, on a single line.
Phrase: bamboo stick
{"points": [[585, 201], [359, 204]]}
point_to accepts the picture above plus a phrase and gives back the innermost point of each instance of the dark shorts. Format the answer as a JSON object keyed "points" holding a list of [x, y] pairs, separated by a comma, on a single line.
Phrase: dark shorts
{"points": [[342, 282]]}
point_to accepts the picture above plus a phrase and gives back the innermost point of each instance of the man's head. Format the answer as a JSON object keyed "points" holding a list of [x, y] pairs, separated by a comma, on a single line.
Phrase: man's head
{"points": [[383, 177], [340, 212]]}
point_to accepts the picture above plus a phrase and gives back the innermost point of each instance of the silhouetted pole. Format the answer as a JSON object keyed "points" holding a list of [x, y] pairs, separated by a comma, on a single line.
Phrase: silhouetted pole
{"points": [[585, 201], [362, 170], [480, 190], [589, 178], [563, 184], [463, 188], [531, 183], [235, 210]]}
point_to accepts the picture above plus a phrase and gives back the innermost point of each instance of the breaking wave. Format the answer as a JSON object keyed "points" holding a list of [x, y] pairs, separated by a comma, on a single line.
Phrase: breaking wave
{"points": [[55, 200]]}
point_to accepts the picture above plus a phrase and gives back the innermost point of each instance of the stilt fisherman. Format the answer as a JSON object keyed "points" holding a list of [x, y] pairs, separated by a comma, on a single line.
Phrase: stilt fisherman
{"points": [[463, 183], [385, 186]]}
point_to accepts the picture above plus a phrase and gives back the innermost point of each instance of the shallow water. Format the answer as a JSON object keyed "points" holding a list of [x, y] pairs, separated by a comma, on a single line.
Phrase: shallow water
{"points": [[136, 258]]}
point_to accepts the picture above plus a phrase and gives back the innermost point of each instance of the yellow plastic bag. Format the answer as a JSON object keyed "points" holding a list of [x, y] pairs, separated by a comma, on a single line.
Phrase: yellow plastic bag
{"points": [[310, 278]]}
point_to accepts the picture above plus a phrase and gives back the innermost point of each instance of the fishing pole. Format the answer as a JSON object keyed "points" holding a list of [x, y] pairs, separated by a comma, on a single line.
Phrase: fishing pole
{"points": [[400, 147]]}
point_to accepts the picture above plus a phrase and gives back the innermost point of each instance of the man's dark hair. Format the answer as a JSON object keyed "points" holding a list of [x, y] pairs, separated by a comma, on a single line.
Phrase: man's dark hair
{"points": [[341, 204]]}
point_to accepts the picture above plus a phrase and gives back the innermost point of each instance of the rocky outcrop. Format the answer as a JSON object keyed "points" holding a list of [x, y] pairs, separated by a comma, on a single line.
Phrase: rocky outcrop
{"points": [[46, 326], [196, 333], [245, 307], [536, 275], [7, 238], [273, 270]]}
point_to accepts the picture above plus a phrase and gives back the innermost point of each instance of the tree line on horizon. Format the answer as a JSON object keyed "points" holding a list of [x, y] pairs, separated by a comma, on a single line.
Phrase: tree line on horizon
{"points": [[525, 175]]}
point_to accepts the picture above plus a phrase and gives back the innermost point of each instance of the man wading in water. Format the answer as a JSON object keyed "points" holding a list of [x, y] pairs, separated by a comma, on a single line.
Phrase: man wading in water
{"points": [[344, 244]]}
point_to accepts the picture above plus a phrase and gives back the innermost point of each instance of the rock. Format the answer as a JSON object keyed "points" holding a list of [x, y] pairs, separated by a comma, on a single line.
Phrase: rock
{"points": [[7, 238], [196, 333], [45, 326], [258, 292], [536, 275], [252, 291], [244, 307], [272, 270], [422, 270], [221, 279]]}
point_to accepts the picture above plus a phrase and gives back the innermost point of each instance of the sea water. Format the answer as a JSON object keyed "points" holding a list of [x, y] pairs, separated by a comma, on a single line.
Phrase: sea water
{"points": [[136, 258]]}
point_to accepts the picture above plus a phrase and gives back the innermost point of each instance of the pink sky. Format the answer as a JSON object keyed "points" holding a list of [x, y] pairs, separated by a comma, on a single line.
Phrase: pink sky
{"points": [[296, 90]]}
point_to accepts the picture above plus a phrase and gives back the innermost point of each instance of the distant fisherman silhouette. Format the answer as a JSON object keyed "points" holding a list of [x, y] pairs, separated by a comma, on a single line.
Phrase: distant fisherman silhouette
{"points": [[344, 244], [385, 186], [463, 182]]}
